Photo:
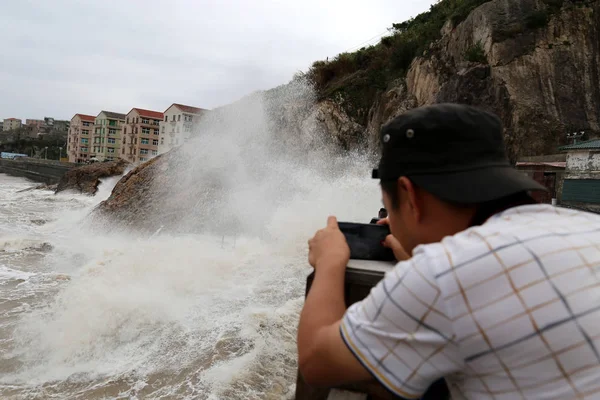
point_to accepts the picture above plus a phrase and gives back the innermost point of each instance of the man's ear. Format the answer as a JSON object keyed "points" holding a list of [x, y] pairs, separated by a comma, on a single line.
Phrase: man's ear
{"points": [[407, 192]]}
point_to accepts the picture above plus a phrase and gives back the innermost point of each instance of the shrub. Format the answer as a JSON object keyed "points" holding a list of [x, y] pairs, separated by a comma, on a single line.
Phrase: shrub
{"points": [[476, 53]]}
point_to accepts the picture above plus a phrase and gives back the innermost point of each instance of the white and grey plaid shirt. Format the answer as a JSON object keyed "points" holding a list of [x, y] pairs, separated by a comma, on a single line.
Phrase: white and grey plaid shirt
{"points": [[506, 310]]}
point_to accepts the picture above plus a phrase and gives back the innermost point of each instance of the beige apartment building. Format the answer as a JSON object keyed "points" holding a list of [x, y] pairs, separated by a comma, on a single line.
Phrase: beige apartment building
{"points": [[177, 126], [36, 125], [140, 135], [107, 136], [11, 123], [80, 137]]}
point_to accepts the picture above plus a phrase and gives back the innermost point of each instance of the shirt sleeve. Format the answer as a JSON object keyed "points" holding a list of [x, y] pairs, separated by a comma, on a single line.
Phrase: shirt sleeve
{"points": [[401, 332]]}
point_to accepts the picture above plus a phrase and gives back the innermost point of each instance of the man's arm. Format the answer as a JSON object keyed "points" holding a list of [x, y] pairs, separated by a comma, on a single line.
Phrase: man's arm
{"points": [[323, 357], [400, 334]]}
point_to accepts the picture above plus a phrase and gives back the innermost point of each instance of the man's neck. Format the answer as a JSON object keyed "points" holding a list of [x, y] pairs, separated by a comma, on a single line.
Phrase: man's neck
{"points": [[487, 210]]}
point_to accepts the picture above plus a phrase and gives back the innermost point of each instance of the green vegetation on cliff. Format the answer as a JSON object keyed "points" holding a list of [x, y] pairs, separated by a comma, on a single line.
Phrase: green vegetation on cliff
{"points": [[354, 79]]}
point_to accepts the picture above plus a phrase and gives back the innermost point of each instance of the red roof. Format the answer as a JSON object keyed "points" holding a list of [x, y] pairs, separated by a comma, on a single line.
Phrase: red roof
{"points": [[89, 118], [149, 113], [188, 109]]}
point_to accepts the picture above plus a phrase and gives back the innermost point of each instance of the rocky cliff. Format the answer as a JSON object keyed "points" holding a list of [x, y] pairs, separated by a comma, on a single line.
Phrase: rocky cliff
{"points": [[534, 63]]}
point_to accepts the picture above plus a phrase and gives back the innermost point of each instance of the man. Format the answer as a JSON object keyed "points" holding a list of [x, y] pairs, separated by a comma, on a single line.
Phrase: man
{"points": [[498, 295], [381, 215]]}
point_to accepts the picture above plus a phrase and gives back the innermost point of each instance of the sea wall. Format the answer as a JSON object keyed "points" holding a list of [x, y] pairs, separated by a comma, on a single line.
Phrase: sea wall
{"points": [[45, 171]]}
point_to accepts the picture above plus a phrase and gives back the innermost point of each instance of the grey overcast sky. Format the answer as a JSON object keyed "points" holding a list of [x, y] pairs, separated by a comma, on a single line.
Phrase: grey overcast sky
{"points": [[61, 57]]}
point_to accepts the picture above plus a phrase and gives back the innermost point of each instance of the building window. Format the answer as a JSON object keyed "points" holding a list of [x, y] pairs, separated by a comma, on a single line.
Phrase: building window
{"points": [[144, 141], [110, 150], [84, 149], [146, 131], [145, 121], [154, 152], [143, 158], [84, 140], [112, 131], [179, 117], [112, 122], [112, 140], [156, 131], [162, 140], [127, 119], [155, 142], [166, 118], [143, 151], [85, 132], [85, 123]]}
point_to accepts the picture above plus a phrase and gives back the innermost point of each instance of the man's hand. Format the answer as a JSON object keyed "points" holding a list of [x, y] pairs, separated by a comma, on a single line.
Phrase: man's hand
{"points": [[392, 243], [329, 247]]}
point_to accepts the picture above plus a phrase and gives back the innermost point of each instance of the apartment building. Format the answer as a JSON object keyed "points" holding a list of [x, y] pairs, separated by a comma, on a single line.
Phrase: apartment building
{"points": [[35, 122], [11, 123], [140, 135], [79, 137], [107, 136], [56, 125], [177, 126], [36, 126]]}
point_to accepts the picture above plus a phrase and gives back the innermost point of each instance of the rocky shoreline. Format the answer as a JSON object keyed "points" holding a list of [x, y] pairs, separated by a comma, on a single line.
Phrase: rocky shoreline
{"points": [[85, 179]]}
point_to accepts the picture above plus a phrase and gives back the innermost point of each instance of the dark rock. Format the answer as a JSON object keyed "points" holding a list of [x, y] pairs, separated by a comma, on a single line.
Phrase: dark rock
{"points": [[85, 179]]}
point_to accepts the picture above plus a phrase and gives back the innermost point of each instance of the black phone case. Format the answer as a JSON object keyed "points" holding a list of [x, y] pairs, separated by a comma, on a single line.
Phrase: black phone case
{"points": [[365, 241]]}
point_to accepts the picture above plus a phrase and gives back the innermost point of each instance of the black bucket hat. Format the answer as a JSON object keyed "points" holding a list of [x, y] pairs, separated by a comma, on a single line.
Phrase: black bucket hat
{"points": [[455, 152]]}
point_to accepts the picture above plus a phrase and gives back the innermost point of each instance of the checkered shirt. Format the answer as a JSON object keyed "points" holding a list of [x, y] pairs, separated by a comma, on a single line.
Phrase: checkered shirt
{"points": [[506, 310]]}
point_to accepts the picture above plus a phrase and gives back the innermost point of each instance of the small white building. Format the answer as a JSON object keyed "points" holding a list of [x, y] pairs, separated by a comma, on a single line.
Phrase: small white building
{"points": [[177, 125], [582, 175], [11, 123]]}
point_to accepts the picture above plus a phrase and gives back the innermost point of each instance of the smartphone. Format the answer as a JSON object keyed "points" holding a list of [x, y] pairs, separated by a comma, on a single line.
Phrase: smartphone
{"points": [[366, 241]]}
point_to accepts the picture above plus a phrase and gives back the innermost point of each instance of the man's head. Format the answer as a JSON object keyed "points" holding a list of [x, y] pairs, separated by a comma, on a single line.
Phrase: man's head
{"points": [[382, 213], [440, 166]]}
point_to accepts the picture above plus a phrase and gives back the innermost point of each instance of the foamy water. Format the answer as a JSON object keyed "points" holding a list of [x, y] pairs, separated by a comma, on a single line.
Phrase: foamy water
{"points": [[114, 316]]}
